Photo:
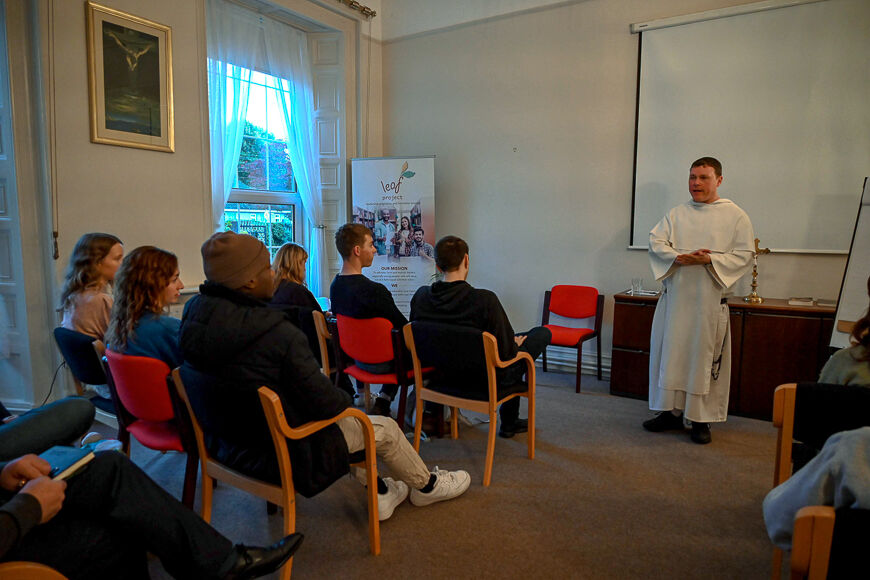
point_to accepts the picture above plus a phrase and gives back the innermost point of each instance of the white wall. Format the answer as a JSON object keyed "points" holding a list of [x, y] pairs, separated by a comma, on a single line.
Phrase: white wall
{"points": [[531, 118]]}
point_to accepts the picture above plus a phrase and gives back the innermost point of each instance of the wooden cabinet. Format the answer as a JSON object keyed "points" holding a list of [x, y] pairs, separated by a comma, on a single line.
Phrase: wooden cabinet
{"points": [[771, 344]]}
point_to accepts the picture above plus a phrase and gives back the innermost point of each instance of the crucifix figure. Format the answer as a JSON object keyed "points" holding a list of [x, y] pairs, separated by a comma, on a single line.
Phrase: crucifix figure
{"points": [[753, 297]]}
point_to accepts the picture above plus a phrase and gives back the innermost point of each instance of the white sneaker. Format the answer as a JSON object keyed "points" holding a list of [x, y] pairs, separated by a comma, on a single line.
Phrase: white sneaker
{"points": [[449, 484], [91, 437], [397, 491]]}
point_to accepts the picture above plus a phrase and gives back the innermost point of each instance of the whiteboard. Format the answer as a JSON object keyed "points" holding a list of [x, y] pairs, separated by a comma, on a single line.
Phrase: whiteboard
{"points": [[853, 301], [780, 98]]}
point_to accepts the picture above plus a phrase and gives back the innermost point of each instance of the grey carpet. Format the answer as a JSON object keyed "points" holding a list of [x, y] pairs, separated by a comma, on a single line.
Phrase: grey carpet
{"points": [[602, 499]]}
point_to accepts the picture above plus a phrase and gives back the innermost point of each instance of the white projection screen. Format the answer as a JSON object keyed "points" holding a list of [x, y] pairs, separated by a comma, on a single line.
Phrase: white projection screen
{"points": [[781, 98]]}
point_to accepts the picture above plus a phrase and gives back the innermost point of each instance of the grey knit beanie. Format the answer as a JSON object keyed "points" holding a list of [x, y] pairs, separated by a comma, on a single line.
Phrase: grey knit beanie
{"points": [[232, 259]]}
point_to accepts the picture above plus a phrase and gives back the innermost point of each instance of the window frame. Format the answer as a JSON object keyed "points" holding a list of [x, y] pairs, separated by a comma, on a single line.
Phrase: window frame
{"points": [[265, 196]]}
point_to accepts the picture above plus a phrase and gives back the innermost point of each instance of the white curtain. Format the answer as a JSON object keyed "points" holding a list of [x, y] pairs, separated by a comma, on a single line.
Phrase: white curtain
{"points": [[287, 53], [232, 37], [240, 41]]}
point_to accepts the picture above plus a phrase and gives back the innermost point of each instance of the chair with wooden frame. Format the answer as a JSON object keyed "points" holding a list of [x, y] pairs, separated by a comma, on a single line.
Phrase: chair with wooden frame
{"points": [[323, 336], [19, 570], [828, 543], [464, 363], [83, 355], [147, 408], [810, 413], [577, 302], [284, 494], [373, 341]]}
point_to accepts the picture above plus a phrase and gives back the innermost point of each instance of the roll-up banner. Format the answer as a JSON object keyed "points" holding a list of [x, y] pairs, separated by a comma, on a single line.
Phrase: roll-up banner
{"points": [[395, 198]]}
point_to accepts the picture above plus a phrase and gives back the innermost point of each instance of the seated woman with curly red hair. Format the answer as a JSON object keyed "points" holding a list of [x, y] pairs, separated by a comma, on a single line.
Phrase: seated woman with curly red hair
{"points": [[145, 285]]}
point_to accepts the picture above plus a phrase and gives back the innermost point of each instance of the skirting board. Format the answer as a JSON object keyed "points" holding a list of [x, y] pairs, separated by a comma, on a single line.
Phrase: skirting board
{"points": [[565, 359]]}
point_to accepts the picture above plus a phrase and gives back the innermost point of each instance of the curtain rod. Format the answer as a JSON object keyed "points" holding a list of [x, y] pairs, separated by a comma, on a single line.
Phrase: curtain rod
{"points": [[354, 5]]}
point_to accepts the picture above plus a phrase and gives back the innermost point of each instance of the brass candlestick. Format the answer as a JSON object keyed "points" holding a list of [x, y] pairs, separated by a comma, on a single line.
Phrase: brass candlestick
{"points": [[753, 297]]}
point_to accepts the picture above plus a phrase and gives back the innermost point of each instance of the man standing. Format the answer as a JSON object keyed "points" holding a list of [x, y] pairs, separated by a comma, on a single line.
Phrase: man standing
{"points": [[419, 247], [698, 251], [455, 301], [228, 331], [352, 294], [384, 232]]}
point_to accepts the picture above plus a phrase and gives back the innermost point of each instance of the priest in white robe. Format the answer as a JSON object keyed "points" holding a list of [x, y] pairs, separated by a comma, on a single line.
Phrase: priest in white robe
{"points": [[698, 251]]}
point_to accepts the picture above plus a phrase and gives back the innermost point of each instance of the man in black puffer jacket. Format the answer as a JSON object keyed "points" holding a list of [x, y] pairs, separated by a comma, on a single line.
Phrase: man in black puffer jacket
{"points": [[229, 334]]}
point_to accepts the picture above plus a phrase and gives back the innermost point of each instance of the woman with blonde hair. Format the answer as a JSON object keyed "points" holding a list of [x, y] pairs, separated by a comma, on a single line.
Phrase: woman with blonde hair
{"points": [[145, 285], [86, 297], [289, 269]]}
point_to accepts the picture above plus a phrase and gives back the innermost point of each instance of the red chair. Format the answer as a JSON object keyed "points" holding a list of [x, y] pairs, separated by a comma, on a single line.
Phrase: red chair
{"points": [[374, 341], [574, 302], [147, 409]]}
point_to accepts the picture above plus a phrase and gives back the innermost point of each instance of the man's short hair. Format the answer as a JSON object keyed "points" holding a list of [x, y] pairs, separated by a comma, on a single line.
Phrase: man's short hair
{"points": [[419, 229], [449, 253], [709, 162], [348, 236]]}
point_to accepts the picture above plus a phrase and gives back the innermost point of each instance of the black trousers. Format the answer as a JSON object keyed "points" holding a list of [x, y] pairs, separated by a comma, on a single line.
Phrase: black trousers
{"points": [[113, 513], [536, 341], [58, 423]]}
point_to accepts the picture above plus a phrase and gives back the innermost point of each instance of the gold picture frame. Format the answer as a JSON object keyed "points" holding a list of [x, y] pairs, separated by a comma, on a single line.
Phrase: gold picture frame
{"points": [[129, 80]]}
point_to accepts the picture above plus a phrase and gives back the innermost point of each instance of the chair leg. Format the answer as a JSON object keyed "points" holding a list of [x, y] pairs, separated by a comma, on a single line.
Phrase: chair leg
{"points": [[776, 569], [207, 489], [289, 528], [403, 402], [490, 448], [579, 364], [367, 398], [598, 347], [372, 492], [454, 423], [531, 436], [418, 423], [544, 359], [188, 493], [124, 438]]}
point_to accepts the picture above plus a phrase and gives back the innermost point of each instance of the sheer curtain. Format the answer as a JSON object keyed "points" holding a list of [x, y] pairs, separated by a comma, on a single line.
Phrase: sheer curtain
{"points": [[240, 41], [287, 53]]}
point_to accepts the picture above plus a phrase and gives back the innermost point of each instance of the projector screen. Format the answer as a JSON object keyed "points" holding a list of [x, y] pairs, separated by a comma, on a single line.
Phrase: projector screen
{"points": [[781, 98]]}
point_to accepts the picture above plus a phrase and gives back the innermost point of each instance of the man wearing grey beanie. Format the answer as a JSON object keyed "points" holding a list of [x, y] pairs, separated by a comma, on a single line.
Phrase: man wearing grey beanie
{"points": [[229, 335]]}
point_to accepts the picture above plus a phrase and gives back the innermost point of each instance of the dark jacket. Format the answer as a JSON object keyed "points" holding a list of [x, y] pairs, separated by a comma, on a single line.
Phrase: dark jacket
{"points": [[292, 294], [462, 304], [246, 345], [356, 296]]}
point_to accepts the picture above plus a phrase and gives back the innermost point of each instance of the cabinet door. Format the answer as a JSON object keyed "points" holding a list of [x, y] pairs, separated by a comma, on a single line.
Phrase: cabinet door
{"points": [[776, 350], [629, 373], [632, 324]]}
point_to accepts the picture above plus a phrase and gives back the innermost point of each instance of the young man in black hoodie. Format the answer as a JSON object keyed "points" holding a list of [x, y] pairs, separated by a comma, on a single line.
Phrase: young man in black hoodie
{"points": [[455, 301], [229, 332]]}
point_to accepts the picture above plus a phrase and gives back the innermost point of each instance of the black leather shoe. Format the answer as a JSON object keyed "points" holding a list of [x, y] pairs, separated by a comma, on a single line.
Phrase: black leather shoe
{"points": [[518, 426], [664, 421], [701, 433], [254, 562]]}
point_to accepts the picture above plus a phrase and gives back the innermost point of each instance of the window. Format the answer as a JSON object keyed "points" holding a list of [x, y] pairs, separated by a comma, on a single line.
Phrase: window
{"points": [[264, 198]]}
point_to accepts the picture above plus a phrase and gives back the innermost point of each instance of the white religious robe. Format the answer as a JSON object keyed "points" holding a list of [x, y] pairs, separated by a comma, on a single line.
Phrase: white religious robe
{"points": [[690, 345]]}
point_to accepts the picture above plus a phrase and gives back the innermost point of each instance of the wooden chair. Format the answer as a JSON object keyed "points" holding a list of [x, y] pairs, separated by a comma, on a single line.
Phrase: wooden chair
{"points": [[374, 341], [28, 571], [828, 543], [284, 494], [323, 336], [146, 409], [576, 302], [464, 362], [83, 355], [810, 413]]}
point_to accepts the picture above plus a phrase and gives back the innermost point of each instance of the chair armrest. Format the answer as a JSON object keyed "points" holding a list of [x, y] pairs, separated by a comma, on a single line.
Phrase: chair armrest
{"points": [[811, 541], [520, 356], [268, 395]]}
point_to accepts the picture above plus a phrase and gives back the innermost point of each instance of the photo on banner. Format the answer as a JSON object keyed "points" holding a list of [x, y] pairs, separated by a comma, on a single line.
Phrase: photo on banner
{"points": [[395, 198]]}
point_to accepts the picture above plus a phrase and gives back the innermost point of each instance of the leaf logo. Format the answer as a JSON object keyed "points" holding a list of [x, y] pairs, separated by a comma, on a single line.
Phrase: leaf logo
{"points": [[408, 174], [405, 167]]}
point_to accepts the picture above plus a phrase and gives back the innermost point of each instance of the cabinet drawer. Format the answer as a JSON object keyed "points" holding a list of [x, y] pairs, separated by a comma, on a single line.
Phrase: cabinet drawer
{"points": [[629, 373], [632, 324]]}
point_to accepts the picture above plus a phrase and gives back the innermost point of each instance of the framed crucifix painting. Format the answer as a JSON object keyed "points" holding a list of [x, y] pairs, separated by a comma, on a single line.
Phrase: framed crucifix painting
{"points": [[130, 80]]}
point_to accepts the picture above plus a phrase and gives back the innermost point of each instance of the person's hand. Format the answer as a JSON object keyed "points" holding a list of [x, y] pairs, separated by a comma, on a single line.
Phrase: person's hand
{"points": [[520, 339], [698, 257], [17, 473], [50, 495]]}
